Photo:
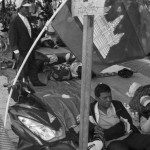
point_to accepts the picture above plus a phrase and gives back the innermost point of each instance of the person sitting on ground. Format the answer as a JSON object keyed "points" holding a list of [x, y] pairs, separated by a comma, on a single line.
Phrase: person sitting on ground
{"points": [[141, 103], [116, 122], [145, 117], [95, 135]]}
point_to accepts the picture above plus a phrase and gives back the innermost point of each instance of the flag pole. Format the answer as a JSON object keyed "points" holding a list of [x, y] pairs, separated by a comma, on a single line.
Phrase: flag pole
{"points": [[28, 54], [87, 50]]}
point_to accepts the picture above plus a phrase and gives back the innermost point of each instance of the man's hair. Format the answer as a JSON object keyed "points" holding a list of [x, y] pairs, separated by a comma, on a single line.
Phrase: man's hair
{"points": [[100, 88]]}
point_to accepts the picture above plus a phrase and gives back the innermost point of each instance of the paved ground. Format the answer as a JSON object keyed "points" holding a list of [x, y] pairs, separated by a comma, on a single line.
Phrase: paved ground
{"points": [[3, 101], [140, 65]]}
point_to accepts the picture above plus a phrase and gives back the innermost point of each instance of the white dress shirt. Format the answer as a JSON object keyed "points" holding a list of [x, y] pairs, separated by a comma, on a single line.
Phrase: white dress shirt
{"points": [[26, 22]]}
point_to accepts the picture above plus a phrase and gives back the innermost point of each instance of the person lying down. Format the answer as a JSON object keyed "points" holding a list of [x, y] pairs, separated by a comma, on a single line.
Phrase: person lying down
{"points": [[63, 68]]}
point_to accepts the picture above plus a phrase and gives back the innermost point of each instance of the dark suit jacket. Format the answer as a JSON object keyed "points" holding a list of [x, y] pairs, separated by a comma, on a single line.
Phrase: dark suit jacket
{"points": [[117, 130], [19, 37]]}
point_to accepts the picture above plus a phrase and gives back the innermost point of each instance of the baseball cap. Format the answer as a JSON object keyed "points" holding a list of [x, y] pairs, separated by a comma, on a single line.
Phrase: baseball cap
{"points": [[132, 89], [144, 100], [20, 3]]}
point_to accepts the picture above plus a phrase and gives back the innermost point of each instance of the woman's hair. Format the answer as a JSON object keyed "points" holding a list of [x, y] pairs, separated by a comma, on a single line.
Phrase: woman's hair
{"points": [[100, 88]]}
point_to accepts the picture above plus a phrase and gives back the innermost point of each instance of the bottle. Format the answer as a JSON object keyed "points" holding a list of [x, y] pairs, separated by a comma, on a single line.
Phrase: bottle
{"points": [[135, 119]]}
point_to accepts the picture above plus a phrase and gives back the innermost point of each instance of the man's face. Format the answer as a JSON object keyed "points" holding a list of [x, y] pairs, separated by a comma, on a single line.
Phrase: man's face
{"points": [[25, 11], [105, 100]]}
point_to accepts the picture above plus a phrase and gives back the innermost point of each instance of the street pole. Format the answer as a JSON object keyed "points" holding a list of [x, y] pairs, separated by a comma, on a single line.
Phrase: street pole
{"points": [[87, 49]]}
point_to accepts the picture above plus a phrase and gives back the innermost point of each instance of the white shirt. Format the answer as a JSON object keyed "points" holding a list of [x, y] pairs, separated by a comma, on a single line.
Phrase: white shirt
{"points": [[26, 22], [106, 120], [145, 124]]}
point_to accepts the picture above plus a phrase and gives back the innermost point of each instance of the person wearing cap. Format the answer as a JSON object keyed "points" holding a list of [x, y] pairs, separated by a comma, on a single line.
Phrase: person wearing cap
{"points": [[21, 39], [145, 116], [141, 103], [116, 123], [133, 87]]}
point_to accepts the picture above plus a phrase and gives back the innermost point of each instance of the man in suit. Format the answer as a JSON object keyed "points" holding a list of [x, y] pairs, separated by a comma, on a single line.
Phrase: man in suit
{"points": [[21, 39], [116, 123]]}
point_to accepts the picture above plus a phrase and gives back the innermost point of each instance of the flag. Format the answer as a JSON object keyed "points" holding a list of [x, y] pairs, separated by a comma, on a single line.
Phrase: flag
{"points": [[115, 39]]}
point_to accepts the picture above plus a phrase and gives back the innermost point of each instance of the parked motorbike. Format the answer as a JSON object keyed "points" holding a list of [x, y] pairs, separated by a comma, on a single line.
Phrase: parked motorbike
{"points": [[38, 128]]}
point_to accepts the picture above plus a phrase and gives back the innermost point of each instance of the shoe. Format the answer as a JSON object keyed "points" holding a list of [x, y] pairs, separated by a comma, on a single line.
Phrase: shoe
{"points": [[4, 65], [38, 83], [9, 64]]}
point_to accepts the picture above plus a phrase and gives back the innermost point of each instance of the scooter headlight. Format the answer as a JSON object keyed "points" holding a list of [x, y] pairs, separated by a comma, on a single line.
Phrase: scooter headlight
{"points": [[44, 132]]}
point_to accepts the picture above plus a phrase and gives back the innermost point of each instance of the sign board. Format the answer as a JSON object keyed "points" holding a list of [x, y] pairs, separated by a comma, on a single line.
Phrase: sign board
{"points": [[90, 7]]}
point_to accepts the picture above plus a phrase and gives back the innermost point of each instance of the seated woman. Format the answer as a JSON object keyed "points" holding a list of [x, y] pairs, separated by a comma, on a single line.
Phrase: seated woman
{"points": [[141, 103], [145, 117]]}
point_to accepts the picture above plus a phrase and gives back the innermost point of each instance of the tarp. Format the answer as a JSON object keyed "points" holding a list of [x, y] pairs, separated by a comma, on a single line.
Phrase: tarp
{"points": [[64, 99], [119, 85]]}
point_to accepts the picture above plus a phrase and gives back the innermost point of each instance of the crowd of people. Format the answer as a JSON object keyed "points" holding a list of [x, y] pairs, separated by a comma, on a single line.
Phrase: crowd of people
{"points": [[40, 11], [24, 26], [110, 124]]}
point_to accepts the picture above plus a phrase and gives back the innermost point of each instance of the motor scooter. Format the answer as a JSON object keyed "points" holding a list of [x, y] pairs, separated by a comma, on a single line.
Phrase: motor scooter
{"points": [[37, 127]]}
